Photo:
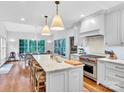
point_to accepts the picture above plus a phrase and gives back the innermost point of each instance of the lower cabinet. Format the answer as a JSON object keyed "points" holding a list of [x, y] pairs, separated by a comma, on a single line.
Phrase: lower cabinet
{"points": [[100, 72], [111, 75], [75, 80], [58, 81], [70, 80]]}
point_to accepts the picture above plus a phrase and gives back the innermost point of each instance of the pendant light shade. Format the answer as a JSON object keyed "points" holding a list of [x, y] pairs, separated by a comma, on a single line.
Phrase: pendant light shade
{"points": [[46, 30], [57, 23]]}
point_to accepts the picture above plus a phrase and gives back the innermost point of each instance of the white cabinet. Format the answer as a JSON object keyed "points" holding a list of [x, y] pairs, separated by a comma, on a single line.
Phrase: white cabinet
{"points": [[114, 26], [75, 80], [68, 80], [111, 75], [112, 30], [58, 81], [100, 72]]}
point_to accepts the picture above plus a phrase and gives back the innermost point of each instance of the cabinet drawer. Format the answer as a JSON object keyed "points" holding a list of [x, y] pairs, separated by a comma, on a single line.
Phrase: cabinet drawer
{"points": [[115, 74], [119, 87], [114, 84], [117, 67]]}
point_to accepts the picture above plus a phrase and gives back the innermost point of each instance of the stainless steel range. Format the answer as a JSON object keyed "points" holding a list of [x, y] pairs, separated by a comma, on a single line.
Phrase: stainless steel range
{"points": [[90, 68]]}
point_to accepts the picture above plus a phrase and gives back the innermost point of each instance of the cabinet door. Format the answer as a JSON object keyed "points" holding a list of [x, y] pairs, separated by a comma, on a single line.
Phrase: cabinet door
{"points": [[58, 81], [112, 29], [122, 27], [100, 72], [76, 80]]}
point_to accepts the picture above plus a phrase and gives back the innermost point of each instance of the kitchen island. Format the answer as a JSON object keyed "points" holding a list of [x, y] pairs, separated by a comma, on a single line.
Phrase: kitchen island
{"points": [[61, 77]]}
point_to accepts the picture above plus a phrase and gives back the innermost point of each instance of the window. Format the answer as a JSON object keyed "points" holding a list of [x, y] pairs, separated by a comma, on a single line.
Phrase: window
{"points": [[2, 48], [23, 46], [31, 46], [60, 47], [41, 46]]}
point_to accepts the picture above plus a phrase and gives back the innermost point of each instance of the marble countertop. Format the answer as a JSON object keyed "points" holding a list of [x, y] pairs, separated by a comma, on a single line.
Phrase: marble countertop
{"points": [[117, 61], [76, 54], [52, 65]]}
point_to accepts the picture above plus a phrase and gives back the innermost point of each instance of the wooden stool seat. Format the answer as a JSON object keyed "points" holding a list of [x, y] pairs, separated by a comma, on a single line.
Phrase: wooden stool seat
{"points": [[37, 68], [42, 86], [40, 76]]}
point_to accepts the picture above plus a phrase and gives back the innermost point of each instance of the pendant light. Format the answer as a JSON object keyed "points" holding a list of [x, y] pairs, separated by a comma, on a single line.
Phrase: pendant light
{"points": [[57, 23], [46, 30]]}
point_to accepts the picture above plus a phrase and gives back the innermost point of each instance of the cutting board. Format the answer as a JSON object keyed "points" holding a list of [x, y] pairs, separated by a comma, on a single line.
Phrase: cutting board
{"points": [[73, 62]]}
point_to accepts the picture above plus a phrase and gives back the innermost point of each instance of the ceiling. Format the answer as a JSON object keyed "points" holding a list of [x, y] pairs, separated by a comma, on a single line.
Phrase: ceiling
{"points": [[34, 11]]}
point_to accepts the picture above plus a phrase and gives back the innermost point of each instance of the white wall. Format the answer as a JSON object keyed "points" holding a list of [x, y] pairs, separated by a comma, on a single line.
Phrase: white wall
{"points": [[64, 34], [3, 30], [13, 40], [118, 50], [3, 33]]}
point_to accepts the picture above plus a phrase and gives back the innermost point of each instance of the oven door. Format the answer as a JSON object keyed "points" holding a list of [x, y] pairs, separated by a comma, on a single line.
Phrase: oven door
{"points": [[90, 70]]}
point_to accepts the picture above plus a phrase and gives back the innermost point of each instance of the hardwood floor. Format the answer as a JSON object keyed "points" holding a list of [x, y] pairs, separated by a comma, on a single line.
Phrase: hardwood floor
{"points": [[93, 87], [18, 80]]}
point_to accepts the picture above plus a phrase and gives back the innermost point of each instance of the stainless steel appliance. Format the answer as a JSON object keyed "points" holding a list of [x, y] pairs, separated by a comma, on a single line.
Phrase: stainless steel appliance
{"points": [[90, 68]]}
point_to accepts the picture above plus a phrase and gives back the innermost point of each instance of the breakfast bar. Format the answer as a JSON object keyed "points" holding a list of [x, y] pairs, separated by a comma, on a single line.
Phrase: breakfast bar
{"points": [[61, 76]]}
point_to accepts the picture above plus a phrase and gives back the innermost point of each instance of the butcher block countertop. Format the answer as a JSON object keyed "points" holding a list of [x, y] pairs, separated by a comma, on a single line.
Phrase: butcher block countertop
{"points": [[73, 62], [49, 64]]}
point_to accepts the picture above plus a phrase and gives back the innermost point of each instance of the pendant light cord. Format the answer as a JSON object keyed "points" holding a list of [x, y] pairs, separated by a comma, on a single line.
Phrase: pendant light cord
{"points": [[46, 20], [56, 9], [57, 3]]}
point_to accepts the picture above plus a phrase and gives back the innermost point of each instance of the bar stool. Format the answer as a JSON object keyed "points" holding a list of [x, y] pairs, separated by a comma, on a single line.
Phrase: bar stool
{"points": [[37, 75], [41, 79], [36, 71], [32, 75]]}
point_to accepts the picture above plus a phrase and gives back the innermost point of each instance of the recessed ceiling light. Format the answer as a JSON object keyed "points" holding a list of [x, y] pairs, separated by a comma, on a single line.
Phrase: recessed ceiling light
{"points": [[49, 41], [22, 19], [82, 15], [12, 40]]}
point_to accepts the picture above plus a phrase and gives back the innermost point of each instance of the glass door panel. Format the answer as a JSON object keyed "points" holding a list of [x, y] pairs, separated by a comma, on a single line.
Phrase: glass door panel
{"points": [[32, 46], [41, 46]]}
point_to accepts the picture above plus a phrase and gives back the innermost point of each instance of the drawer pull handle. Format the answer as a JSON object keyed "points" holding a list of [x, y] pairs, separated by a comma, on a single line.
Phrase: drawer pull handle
{"points": [[119, 76], [119, 67], [119, 86]]}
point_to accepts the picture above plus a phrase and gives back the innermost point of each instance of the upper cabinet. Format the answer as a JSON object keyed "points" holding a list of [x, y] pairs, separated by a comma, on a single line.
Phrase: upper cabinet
{"points": [[112, 29], [114, 26], [93, 24]]}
